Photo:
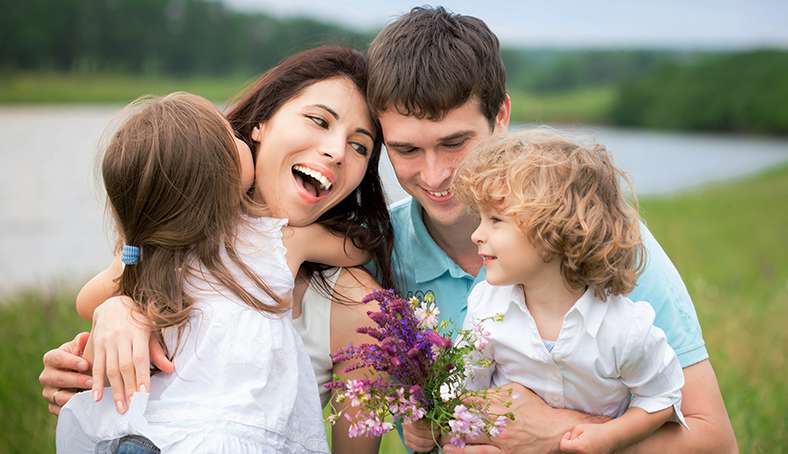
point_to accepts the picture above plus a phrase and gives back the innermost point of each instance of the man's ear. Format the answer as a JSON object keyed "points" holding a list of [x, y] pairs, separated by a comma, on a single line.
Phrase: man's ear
{"points": [[504, 113]]}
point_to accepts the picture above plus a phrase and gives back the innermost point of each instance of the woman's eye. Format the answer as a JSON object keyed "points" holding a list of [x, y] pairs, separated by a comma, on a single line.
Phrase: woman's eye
{"points": [[494, 219], [318, 121], [360, 149]]}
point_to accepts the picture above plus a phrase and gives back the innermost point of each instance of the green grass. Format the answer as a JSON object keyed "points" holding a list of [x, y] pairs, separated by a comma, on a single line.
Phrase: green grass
{"points": [[586, 105], [729, 241], [60, 88]]}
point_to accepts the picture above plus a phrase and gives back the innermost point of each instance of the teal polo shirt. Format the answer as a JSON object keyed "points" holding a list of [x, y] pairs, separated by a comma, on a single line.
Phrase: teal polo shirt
{"points": [[422, 268]]}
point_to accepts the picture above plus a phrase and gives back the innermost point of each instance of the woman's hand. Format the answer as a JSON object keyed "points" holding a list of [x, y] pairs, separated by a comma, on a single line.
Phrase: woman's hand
{"points": [[65, 373], [122, 350]]}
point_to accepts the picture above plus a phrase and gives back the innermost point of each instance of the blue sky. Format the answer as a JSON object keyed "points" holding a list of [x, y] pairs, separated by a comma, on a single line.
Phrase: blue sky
{"points": [[577, 23]]}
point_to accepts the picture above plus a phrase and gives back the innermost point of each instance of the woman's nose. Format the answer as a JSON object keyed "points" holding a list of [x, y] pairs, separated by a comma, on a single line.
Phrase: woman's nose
{"points": [[334, 151]]}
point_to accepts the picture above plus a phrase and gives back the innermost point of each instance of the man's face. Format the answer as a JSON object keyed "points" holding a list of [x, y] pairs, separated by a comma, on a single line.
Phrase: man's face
{"points": [[424, 154]]}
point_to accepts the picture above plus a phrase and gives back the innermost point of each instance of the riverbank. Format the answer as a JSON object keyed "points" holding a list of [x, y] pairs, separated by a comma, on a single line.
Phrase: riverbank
{"points": [[588, 106], [727, 240]]}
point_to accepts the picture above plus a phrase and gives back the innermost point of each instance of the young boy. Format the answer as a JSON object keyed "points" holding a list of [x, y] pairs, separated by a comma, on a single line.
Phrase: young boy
{"points": [[562, 250]]}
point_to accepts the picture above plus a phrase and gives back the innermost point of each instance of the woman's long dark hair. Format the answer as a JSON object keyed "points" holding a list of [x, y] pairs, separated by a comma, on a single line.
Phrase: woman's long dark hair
{"points": [[362, 216]]}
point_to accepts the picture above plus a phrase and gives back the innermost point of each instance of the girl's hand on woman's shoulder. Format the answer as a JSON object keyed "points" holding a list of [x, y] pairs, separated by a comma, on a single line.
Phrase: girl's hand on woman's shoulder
{"points": [[122, 350]]}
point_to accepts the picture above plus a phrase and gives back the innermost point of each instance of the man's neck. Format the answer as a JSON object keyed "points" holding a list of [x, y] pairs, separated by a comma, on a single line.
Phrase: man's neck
{"points": [[455, 240]]}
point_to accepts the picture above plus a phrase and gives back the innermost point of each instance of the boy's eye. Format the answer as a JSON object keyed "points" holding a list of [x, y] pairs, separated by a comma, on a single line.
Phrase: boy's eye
{"points": [[318, 121], [360, 149]]}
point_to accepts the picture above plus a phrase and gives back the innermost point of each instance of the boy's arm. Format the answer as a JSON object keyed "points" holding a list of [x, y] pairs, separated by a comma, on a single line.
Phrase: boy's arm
{"points": [[315, 243], [99, 289], [631, 427]]}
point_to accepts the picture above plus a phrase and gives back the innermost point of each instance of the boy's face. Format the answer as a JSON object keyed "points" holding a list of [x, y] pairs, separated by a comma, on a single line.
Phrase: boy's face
{"points": [[424, 154], [506, 252]]}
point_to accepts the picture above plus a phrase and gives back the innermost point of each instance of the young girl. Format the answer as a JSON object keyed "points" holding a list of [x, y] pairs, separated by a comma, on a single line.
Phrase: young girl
{"points": [[214, 277], [561, 248]]}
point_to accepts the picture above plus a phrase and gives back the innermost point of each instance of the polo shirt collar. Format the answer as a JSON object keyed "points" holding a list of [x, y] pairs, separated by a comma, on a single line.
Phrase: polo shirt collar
{"points": [[434, 260]]}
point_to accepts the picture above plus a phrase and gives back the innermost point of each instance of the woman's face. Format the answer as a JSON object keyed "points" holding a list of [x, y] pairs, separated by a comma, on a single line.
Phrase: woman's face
{"points": [[313, 151]]}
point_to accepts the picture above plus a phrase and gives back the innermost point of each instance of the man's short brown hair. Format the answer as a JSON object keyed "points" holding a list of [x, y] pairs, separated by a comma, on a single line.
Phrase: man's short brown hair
{"points": [[430, 61]]}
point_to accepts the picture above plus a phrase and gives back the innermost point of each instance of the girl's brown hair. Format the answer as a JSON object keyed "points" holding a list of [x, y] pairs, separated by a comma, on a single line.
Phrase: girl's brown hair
{"points": [[172, 176], [362, 216], [566, 199]]}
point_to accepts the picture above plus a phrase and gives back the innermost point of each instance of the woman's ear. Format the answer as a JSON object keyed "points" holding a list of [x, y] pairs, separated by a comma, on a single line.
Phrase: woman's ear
{"points": [[257, 132]]}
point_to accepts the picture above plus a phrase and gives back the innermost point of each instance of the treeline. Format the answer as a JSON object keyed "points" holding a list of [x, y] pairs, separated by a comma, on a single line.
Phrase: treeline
{"points": [[743, 92], [172, 37], [660, 89]]}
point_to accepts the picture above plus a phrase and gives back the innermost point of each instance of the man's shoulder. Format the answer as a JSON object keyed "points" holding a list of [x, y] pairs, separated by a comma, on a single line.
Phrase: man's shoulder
{"points": [[400, 212]]}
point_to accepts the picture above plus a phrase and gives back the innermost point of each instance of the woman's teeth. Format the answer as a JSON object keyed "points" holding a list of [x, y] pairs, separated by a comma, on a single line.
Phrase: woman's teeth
{"points": [[325, 183]]}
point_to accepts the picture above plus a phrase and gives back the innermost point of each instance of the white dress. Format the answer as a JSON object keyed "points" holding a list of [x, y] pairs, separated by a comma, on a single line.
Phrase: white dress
{"points": [[314, 327], [243, 381]]}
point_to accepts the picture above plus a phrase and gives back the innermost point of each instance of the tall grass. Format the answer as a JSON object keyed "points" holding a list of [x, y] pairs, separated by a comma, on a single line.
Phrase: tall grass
{"points": [[729, 242]]}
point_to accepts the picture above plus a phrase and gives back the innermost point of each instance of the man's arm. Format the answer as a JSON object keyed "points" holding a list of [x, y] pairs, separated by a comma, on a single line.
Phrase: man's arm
{"points": [[538, 428], [704, 410]]}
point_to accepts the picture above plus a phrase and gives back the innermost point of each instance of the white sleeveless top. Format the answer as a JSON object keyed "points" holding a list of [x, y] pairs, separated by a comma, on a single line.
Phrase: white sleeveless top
{"points": [[314, 327], [243, 381]]}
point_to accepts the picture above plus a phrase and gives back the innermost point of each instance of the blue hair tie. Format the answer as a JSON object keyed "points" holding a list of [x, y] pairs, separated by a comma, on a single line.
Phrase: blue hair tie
{"points": [[130, 255]]}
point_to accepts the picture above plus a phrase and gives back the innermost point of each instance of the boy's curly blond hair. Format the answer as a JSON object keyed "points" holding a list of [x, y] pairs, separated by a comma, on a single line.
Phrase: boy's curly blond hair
{"points": [[566, 199]]}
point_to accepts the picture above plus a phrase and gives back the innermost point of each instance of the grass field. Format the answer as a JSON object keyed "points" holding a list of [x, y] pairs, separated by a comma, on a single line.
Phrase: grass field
{"points": [[728, 241], [588, 105]]}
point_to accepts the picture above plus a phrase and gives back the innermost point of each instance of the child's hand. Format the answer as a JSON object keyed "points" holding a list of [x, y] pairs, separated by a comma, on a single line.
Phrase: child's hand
{"points": [[418, 436], [587, 439]]}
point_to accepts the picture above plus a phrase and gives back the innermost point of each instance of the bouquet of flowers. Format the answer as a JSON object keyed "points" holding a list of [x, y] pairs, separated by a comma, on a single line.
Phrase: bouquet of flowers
{"points": [[421, 373]]}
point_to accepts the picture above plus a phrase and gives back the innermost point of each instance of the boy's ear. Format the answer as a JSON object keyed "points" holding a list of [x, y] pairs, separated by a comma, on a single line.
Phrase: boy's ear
{"points": [[504, 113]]}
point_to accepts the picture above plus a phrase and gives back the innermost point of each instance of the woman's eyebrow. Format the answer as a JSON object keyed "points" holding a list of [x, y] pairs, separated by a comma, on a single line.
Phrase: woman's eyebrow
{"points": [[328, 109], [336, 115]]}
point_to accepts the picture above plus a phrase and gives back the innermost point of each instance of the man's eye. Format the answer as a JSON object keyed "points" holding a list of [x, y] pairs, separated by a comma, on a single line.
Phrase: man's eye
{"points": [[454, 144], [405, 150], [360, 149], [318, 121]]}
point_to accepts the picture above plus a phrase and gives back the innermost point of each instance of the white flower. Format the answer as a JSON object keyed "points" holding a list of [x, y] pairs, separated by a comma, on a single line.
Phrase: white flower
{"points": [[427, 315], [447, 392]]}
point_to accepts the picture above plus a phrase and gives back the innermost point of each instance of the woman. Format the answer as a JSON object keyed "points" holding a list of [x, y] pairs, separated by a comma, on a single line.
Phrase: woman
{"points": [[295, 106]]}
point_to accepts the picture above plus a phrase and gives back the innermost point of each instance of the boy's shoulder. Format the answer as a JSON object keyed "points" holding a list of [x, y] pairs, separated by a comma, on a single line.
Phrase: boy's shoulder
{"points": [[486, 299]]}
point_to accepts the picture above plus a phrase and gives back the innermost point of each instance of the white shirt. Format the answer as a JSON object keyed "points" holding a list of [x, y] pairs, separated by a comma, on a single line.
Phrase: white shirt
{"points": [[608, 355]]}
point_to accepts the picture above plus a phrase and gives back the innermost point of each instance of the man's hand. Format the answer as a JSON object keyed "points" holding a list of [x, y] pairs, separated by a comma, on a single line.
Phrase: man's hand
{"points": [[65, 373], [537, 427], [418, 436]]}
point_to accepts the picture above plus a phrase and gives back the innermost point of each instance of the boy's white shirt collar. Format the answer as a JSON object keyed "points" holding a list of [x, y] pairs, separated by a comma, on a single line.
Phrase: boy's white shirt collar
{"points": [[591, 310]]}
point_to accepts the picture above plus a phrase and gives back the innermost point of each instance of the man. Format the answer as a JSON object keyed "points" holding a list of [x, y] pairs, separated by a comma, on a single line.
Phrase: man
{"points": [[437, 83]]}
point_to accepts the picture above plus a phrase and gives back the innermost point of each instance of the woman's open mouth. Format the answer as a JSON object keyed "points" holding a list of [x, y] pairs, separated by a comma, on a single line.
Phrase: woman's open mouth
{"points": [[315, 183]]}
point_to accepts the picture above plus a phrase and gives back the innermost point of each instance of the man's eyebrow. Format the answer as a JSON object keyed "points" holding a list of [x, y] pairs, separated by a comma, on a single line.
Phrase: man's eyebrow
{"points": [[457, 135], [453, 136]]}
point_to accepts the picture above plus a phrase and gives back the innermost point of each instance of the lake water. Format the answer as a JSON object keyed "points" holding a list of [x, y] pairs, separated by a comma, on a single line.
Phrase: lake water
{"points": [[52, 223]]}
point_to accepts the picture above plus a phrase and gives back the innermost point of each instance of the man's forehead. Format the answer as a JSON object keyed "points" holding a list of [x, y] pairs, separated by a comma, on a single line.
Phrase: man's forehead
{"points": [[463, 120]]}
